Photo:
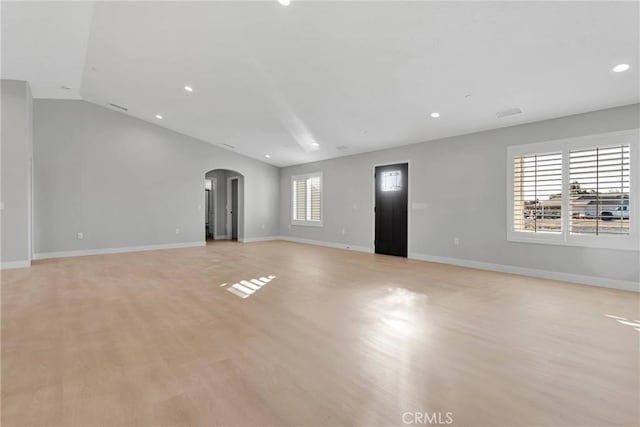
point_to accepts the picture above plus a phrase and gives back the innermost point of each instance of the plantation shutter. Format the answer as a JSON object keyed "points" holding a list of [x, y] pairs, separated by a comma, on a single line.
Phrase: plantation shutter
{"points": [[307, 198], [314, 198], [300, 200], [537, 193], [599, 187]]}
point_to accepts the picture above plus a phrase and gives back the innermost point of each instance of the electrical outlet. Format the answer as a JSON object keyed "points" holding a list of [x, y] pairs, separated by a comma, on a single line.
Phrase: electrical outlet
{"points": [[344, 231], [456, 241], [80, 236], [177, 231]]}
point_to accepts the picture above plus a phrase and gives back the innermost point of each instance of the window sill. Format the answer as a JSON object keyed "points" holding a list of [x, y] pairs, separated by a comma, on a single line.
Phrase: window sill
{"points": [[626, 243], [307, 223]]}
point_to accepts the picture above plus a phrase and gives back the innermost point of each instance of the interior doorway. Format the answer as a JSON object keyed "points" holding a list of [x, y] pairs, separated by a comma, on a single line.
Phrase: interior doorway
{"points": [[391, 209], [232, 194], [224, 205], [211, 207]]}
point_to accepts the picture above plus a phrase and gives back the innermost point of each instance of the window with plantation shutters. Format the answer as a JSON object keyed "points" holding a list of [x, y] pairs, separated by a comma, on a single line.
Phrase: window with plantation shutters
{"points": [[600, 184], [578, 192], [307, 199]]}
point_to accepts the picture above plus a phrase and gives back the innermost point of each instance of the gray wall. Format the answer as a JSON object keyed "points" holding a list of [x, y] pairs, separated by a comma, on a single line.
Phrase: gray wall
{"points": [[124, 182], [457, 188], [16, 153]]}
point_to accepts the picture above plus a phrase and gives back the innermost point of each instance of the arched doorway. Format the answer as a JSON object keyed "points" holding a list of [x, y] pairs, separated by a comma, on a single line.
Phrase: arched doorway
{"points": [[224, 205]]}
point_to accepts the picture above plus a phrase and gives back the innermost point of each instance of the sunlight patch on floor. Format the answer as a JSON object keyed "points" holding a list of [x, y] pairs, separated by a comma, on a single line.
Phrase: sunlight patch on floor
{"points": [[635, 324], [246, 288]]}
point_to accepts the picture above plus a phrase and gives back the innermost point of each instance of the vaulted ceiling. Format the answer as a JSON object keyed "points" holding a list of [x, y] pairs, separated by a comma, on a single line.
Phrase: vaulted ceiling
{"points": [[316, 80]]}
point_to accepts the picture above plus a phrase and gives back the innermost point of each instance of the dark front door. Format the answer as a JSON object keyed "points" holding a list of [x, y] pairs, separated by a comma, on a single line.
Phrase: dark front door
{"points": [[391, 209], [234, 209]]}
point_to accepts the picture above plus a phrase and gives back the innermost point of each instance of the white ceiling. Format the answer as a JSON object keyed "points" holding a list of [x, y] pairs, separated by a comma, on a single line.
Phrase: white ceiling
{"points": [[272, 80], [45, 44]]}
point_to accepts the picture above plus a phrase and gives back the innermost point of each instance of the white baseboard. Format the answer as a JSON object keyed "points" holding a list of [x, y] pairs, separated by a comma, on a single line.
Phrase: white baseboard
{"points": [[259, 239], [544, 274], [327, 244], [106, 251], [15, 264]]}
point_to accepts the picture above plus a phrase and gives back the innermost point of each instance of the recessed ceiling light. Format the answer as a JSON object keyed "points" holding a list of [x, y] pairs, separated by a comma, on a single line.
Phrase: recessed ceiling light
{"points": [[188, 88], [268, 156], [620, 68], [158, 116], [435, 114], [284, 2], [315, 144]]}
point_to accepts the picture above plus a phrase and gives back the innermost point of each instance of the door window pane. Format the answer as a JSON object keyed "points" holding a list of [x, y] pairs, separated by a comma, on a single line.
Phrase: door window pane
{"points": [[391, 181]]}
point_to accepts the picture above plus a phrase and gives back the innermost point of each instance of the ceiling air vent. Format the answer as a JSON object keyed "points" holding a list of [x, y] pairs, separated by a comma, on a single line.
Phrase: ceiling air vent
{"points": [[509, 112], [229, 145], [119, 107], [341, 147]]}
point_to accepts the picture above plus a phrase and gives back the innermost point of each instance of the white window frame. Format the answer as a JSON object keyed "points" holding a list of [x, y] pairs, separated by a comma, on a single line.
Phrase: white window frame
{"points": [[621, 242], [308, 223]]}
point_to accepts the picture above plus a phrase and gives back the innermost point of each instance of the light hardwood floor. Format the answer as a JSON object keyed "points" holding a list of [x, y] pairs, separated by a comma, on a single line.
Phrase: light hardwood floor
{"points": [[336, 338]]}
